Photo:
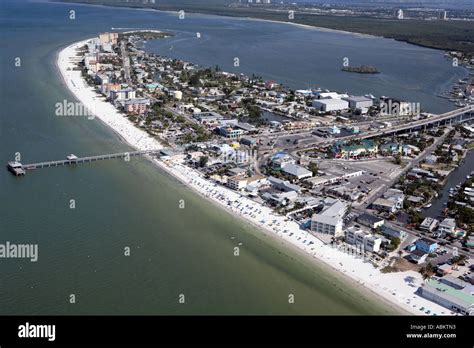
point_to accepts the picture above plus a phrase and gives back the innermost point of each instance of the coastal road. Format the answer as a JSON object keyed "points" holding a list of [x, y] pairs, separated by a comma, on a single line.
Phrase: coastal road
{"points": [[125, 63]]}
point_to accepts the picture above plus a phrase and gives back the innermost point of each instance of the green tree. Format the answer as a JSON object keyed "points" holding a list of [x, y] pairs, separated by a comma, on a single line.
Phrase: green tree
{"points": [[313, 167], [203, 161]]}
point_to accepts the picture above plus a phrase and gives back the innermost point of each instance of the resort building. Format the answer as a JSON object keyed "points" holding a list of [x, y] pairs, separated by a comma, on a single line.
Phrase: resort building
{"points": [[137, 106], [330, 219], [358, 237]]}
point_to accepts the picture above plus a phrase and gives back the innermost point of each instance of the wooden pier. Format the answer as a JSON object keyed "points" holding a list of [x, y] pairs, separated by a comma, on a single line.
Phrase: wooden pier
{"points": [[18, 168]]}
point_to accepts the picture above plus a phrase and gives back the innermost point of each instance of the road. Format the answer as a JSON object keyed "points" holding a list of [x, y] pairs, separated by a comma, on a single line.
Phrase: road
{"points": [[411, 163], [125, 62]]}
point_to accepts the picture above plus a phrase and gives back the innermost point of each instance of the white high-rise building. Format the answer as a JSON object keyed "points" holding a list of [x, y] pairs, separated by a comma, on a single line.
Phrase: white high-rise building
{"points": [[400, 14]]}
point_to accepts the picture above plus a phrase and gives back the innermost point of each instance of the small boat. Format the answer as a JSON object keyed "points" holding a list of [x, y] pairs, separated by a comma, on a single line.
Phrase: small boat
{"points": [[428, 205]]}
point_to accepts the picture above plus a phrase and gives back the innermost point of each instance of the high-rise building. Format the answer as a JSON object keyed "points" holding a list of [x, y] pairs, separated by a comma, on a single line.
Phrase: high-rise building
{"points": [[400, 14]]}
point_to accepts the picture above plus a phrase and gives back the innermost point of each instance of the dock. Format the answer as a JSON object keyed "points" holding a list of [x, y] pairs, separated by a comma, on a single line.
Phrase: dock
{"points": [[19, 169]]}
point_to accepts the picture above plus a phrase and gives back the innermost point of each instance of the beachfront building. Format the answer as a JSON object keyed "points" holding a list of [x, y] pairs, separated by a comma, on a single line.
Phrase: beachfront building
{"points": [[240, 181], [330, 219], [360, 238], [137, 106], [280, 198], [123, 94], [451, 293]]}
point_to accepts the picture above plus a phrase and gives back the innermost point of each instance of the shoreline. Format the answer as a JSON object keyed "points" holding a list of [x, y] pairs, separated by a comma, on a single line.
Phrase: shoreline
{"points": [[305, 26], [394, 289]]}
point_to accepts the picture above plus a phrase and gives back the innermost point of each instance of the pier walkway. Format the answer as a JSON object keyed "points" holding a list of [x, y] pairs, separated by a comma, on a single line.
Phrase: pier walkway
{"points": [[18, 168]]}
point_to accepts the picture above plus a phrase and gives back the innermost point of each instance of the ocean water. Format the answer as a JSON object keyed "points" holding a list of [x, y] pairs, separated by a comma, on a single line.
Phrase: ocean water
{"points": [[117, 205]]}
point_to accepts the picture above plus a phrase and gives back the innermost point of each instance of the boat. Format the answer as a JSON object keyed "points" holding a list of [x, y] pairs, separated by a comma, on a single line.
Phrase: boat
{"points": [[428, 205]]}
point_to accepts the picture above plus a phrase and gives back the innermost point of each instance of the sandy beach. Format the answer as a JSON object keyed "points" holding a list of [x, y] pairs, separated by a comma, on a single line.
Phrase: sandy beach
{"points": [[397, 289]]}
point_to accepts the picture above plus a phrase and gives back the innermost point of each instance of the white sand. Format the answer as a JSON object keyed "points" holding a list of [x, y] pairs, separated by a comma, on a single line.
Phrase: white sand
{"points": [[397, 288]]}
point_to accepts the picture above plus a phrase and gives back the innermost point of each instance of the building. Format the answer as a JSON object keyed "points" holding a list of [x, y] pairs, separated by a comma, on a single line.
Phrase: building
{"points": [[230, 133], [363, 239], [296, 171], [447, 226], [108, 38], [137, 106], [283, 185], [425, 245], [418, 256], [248, 141], [444, 269], [429, 224], [365, 148], [356, 102], [328, 105], [208, 117], [457, 298], [178, 95], [370, 220], [393, 233], [280, 198], [386, 205], [330, 219], [400, 14], [396, 196], [123, 94], [239, 181], [281, 159]]}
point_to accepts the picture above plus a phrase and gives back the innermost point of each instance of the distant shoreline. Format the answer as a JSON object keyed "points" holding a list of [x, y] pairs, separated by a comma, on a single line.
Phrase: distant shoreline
{"points": [[397, 36]]}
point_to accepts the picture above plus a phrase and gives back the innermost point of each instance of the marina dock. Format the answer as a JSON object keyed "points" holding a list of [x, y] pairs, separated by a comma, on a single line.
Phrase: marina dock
{"points": [[19, 169]]}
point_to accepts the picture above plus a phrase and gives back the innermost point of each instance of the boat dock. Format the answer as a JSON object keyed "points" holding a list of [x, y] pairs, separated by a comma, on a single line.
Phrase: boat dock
{"points": [[17, 168]]}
